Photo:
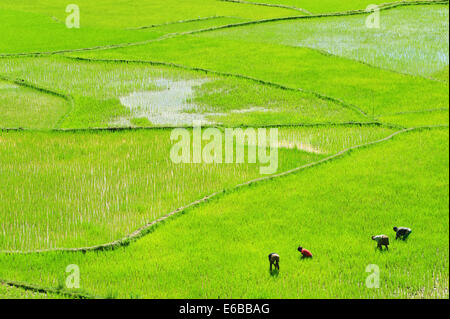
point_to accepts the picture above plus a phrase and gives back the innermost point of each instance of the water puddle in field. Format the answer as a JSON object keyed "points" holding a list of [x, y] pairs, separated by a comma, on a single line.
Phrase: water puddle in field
{"points": [[7, 86], [251, 110], [241, 111], [301, 146], [170, 105], [306, 147]]}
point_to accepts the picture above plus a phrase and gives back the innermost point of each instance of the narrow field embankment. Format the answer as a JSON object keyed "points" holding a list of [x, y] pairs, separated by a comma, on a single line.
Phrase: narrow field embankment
{"points": [[269, 5]]}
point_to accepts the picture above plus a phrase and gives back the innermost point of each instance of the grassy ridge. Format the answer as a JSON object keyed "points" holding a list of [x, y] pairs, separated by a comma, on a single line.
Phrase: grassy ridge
{"points": [[324, 6], [25, 107], [430, 117], [8, 292], [220, 249]]}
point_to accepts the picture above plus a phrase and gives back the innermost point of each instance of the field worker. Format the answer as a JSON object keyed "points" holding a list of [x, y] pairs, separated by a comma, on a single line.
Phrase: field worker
{"points": [[305, 252], [382, 240], [274, 259], [402, 232]]}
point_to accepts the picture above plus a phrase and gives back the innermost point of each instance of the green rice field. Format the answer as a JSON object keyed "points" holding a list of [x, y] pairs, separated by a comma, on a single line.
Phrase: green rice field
{"points": [[91, 115]]}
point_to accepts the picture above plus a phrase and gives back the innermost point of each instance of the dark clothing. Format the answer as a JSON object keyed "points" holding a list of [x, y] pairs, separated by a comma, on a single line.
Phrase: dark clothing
{"points": [[403, 233], [382, 240], [274, 259]]}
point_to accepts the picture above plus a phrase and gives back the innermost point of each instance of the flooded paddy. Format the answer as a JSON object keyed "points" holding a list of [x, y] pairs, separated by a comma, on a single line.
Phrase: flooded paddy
{"points": [[171, 105]]}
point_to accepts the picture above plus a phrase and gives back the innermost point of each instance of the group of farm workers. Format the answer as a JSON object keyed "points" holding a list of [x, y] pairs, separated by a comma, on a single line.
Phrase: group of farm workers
{"points": [[382, 240], [274, 258]]}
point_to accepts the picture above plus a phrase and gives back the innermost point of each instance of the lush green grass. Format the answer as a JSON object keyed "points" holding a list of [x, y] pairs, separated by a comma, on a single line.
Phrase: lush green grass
{"points": [[97, 87], [109, 14], [191, 25], [232, 101], [40, 33], [441, 75], [220, 249], [80, 189], [410, 39], [42, 25], [25, 107], [431, 117]]}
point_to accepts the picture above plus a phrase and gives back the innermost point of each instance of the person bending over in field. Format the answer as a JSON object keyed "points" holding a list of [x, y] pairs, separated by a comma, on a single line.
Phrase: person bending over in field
{"points": [[402, 232], [274, 259], [382, 240], [305, 252]]}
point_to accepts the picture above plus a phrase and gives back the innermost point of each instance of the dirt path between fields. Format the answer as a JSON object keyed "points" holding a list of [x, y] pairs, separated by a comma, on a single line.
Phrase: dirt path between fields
{"points": [[47, 290]]}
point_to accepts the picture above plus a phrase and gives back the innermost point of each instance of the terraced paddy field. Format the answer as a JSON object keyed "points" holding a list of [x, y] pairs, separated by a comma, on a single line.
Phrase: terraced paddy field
{"points": [[94, 173]]}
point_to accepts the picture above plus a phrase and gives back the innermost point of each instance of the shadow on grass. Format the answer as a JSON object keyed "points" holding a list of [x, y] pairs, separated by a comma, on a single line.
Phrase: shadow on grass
{"points": [[304, 258], [274, 272], [381, 250]]}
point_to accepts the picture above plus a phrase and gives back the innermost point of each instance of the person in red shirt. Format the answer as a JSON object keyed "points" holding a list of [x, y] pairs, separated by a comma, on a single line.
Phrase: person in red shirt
{"points": [[305, 252]]}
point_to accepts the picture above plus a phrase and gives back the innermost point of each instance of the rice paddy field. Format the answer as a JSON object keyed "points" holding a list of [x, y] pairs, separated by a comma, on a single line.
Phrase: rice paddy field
{"points": [[88, 117]]}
